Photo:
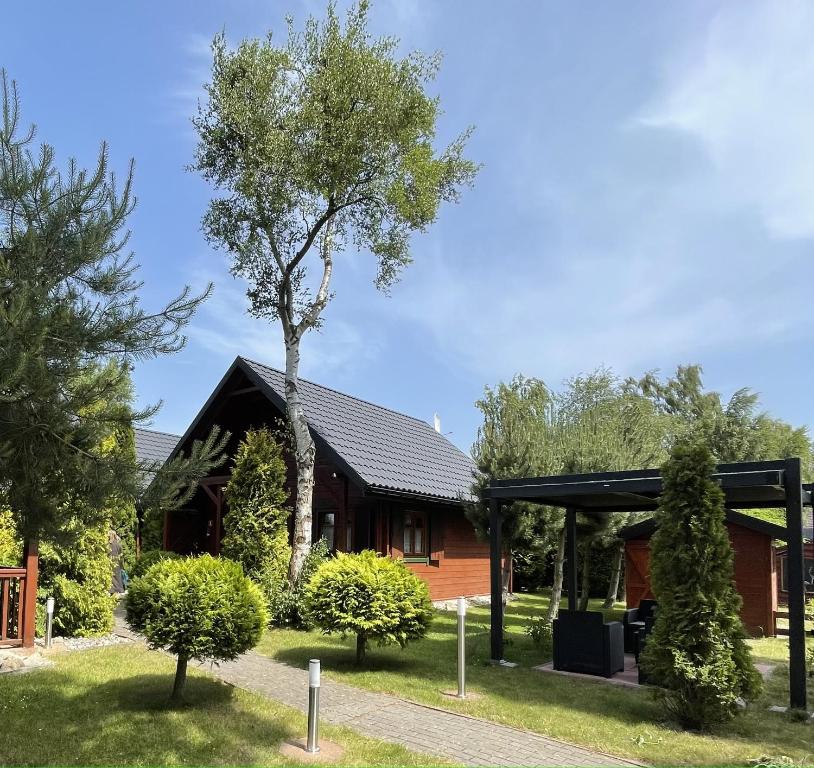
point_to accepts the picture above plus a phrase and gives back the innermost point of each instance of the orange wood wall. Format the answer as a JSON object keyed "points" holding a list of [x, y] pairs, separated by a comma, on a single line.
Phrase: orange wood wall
{"points": [[754, 576]]}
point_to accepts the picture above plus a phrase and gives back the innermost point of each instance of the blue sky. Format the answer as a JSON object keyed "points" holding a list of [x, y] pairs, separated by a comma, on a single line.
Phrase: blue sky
{"points": [[647, 196]]}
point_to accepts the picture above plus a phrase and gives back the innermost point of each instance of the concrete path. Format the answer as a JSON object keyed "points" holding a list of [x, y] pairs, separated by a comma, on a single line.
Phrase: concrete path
{"points": [[448, 735]]}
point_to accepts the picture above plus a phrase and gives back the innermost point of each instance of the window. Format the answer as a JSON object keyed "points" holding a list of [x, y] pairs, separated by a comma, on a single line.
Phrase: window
{"points": [[349, 536], [415, 534], [326, 528]]}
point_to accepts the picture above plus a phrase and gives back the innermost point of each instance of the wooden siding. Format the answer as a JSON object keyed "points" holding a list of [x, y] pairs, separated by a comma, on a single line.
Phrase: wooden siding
{"points": [[754, 576]]}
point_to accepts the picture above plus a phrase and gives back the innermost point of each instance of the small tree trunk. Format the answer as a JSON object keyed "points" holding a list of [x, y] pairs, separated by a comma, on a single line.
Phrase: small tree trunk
{"points": [[180, 679], [361, 648], [586, 578], [556, 589], [616, 577], [304, 457]]}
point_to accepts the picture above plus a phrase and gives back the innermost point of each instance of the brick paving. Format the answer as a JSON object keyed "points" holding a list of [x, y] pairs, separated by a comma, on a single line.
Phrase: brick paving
{"points": [[448, 735]]}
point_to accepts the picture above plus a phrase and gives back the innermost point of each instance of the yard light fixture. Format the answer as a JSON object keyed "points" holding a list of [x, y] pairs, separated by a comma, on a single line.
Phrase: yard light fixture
{"points": [[312, 744], [461, 647], [49, 620]]}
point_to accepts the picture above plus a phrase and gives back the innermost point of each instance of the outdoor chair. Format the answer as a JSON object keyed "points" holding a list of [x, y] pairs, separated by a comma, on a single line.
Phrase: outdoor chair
{"points": [[585, 642], [635, 620]]}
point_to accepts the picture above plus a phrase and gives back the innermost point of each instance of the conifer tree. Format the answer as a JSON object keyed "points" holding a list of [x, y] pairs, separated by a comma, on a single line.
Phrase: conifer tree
{"points": [[696, 650], [71, 327]]}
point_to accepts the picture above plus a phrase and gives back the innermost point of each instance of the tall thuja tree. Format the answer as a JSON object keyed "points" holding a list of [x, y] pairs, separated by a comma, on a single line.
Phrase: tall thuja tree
{"points": [[72, 326], [696, 650], [323, 142], [256, 523]]}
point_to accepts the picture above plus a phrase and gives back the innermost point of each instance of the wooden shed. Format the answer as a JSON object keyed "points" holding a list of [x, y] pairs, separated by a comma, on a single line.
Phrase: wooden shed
{"points": [[755, 570]]}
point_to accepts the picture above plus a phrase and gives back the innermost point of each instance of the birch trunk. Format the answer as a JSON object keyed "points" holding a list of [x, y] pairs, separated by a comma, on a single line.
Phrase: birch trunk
{"points": [[556, 589], [304, 457], [586, 579], [616, 577]]}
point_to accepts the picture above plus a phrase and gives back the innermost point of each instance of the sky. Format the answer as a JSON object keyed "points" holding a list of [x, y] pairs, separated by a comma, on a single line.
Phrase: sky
{"points": [[646, 197]]}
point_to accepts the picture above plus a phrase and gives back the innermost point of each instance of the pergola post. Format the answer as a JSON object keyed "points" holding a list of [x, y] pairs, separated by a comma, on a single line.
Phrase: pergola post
{"points": [[571, 556], [496, 575], [792, 481]]}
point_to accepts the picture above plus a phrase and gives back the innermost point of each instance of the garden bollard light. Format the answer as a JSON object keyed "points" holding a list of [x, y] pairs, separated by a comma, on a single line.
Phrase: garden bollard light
{"points": [[49, 620], [461, 648], [312, 744]]}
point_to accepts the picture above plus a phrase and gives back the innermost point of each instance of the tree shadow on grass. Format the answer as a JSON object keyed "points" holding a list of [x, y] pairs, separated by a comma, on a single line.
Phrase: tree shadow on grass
{"points": [[54, 717]]}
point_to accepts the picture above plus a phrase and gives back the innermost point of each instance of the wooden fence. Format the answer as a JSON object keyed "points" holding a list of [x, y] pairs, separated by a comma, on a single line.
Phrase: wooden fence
{"points": [[18, 600]]}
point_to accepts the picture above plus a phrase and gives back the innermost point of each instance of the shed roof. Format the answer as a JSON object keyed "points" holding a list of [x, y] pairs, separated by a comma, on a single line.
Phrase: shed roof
{"points": [[389, 451], [647, 527]]}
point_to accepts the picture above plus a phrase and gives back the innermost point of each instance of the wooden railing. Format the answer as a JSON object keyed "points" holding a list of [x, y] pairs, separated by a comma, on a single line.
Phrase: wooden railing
{"points": [[12, 604]]}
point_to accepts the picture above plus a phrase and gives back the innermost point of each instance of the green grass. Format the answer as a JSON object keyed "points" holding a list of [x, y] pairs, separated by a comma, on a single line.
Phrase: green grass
{"points": [[622, 721], [110, 707]]}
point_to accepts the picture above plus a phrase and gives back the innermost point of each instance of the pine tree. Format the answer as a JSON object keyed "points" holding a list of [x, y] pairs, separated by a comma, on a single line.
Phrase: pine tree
{"points": [[696, 650], [71, 327]]}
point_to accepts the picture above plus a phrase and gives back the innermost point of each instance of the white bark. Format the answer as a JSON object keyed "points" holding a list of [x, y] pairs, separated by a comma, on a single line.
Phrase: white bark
{"points": [[556, 589], [616, 575], [304, 458]]}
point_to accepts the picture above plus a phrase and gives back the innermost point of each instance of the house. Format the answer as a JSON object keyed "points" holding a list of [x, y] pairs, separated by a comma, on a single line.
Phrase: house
{"points": [[755, 577], [383, 480]]}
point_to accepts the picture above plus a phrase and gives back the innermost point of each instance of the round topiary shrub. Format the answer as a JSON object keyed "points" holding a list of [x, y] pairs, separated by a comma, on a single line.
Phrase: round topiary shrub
{"points": [[196, 608], [149, 558], [373, 597]]}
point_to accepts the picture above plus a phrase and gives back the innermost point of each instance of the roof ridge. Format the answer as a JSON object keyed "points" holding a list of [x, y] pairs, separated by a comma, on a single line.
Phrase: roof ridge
{"points": [[352, 397]]}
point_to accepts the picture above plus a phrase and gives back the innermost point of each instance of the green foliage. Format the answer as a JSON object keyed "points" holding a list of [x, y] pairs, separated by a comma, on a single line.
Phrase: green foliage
{"points": [[255, 526], [149, 558], [72, 327], [697, 649], [287, 605], [541, 631], [11, 550], [373, 597], [77, 572], [197, 608]]}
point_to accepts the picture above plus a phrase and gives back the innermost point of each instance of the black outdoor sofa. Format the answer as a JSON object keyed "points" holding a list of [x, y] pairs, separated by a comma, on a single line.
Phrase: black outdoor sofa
{"points": [[585, 642]]}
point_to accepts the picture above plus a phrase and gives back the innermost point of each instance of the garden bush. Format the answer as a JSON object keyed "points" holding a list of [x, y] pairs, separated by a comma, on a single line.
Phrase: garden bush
{"points": [[196, 608], [697, 649], [370, 596], [77, 572], [541, 631], [287, 605], [149, 558], [256, 523]]}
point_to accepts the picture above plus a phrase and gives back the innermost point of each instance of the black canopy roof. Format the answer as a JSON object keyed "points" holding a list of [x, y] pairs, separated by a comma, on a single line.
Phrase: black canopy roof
{"points": [[745, 485]]}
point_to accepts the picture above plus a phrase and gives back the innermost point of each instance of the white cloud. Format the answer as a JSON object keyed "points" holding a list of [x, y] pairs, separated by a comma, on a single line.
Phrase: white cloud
{"points": [[744, 90]]}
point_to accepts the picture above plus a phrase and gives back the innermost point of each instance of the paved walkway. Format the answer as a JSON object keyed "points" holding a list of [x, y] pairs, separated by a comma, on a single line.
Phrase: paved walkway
{"points": [[451, 736]]}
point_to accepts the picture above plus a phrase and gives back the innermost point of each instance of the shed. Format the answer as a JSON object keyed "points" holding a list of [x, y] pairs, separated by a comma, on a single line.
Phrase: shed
{"points": [[755, 575]]}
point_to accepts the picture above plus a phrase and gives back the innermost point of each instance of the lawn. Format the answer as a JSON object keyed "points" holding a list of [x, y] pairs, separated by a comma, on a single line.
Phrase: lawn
{"points": [[610, 718], [110, 707]]}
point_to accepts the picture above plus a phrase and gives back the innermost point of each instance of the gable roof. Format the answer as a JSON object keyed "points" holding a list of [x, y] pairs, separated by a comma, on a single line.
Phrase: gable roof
{"points": [[648, 527], [386, 450]]}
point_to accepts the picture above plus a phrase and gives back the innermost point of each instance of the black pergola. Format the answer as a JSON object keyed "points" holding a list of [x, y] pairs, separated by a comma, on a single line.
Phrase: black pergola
{"points": [[746, 485]]}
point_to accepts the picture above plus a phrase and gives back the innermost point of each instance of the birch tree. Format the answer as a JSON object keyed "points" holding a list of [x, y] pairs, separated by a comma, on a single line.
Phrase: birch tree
{"points": [[324, 142]]}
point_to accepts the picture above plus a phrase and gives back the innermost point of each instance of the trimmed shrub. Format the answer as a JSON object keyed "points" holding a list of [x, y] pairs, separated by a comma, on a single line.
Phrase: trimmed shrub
{"points": [[149, 558], [370, 596], [256, 523], [196, 608], [697, 650]]}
